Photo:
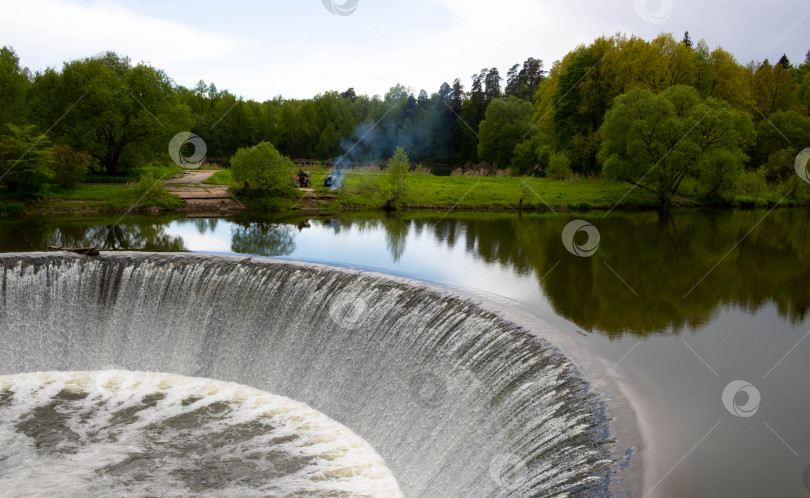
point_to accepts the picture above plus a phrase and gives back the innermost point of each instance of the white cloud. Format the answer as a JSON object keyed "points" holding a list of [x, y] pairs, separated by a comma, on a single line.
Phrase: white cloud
{"points": [[481, 33], [297, 49], [57, 31]]}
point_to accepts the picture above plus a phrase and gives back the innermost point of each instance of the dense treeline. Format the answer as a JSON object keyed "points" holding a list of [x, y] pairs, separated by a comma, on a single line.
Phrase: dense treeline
{"points": [[568, 121]]}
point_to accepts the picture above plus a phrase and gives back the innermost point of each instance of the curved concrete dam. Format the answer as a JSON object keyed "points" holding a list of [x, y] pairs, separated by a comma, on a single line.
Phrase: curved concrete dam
{"points": [[454, 399]]}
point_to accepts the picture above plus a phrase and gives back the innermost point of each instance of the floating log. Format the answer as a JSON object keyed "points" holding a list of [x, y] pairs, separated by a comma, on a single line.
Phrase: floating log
{"points": [[88, 251]]}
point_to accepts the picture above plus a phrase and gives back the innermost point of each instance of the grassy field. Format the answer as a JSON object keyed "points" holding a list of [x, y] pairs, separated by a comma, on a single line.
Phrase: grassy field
{"points": [[470, 192], [96, 199], [91, 192], [157, 170], [371, 189], [222, 177]]}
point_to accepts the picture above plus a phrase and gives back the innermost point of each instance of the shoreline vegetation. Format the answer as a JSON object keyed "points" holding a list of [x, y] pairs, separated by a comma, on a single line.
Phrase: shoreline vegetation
{"points": [[367, 190], [620, 123]]}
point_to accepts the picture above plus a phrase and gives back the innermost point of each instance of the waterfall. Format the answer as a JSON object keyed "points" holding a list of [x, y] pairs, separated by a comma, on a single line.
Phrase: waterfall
{"points": [[456, 400]]}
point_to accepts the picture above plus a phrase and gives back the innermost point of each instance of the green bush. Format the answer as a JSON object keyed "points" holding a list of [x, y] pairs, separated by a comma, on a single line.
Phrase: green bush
{"points": [[559, 166], [10, 208], [397, 169], [754, 181], [68, 165], [149, 191], [263, 170], [779, 166]]}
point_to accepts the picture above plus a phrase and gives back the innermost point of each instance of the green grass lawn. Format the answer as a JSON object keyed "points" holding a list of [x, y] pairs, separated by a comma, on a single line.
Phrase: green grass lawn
{"points": [[100, 197], [371, 189], [90, 192], [164, 171], [222, 177], [425, 190]]}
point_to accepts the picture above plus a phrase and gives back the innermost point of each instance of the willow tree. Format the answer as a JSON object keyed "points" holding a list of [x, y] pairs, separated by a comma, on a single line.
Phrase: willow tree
{"points": [[657, 141]]}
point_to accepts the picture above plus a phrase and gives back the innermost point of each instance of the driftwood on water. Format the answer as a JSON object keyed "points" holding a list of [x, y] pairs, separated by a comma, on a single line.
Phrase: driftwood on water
{"points": [[89, 251]]}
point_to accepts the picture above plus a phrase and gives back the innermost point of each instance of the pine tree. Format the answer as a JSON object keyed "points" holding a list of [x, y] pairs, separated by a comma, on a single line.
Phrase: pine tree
{"points": [[493, 85], [349, 95], [423, 101]]}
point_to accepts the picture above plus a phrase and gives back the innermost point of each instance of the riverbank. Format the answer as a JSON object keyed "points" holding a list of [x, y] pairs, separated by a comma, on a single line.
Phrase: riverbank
{"points": [[212, 193]]}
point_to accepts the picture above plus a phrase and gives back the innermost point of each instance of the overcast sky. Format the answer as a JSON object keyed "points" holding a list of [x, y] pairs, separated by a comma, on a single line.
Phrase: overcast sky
{"points": [[298, 48]]}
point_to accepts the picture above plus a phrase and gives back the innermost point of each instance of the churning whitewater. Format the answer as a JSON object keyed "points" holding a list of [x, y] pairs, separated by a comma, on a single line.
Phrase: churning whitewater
{"points": [[455, 400], [146, 434]]}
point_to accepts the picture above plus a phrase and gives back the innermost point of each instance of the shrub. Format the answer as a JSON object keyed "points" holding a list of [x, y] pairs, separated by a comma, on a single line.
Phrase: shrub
{"points": [[68, 165], [779, 166], [10, 208], [559, 167], [398, 167], [262, 170], [149, 191]]}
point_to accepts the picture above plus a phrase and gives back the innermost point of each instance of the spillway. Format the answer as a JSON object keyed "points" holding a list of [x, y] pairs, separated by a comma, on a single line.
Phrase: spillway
{"points": [[456, 400]]}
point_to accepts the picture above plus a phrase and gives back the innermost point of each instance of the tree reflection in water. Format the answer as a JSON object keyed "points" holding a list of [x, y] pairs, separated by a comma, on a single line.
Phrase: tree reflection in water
{"points": [[263, 238], [660, 257], [136, 234]]}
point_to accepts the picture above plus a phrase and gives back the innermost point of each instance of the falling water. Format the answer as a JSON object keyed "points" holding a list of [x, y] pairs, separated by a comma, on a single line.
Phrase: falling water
{"points": [[456, 400], [146, 434]]}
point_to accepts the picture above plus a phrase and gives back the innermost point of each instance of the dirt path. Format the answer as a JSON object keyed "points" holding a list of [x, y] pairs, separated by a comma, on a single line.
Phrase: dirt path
{"points": [[191, 176], [200, 198]]}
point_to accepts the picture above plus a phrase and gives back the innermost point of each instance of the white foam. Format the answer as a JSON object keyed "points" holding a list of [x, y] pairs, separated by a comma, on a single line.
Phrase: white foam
{"points": [[112, 441]]}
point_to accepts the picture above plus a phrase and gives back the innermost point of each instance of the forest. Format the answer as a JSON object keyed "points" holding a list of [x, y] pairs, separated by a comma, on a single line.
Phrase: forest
{"points": [[668, 115]]}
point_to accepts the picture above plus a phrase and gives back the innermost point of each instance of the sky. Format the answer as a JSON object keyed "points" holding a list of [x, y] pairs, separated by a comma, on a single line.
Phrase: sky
{"points": [[261, 49]]}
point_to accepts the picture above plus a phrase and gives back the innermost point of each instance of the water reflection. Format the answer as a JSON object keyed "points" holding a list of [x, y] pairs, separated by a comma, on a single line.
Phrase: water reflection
{"points": [[263, 238], [638, 282], [131, 235]]}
